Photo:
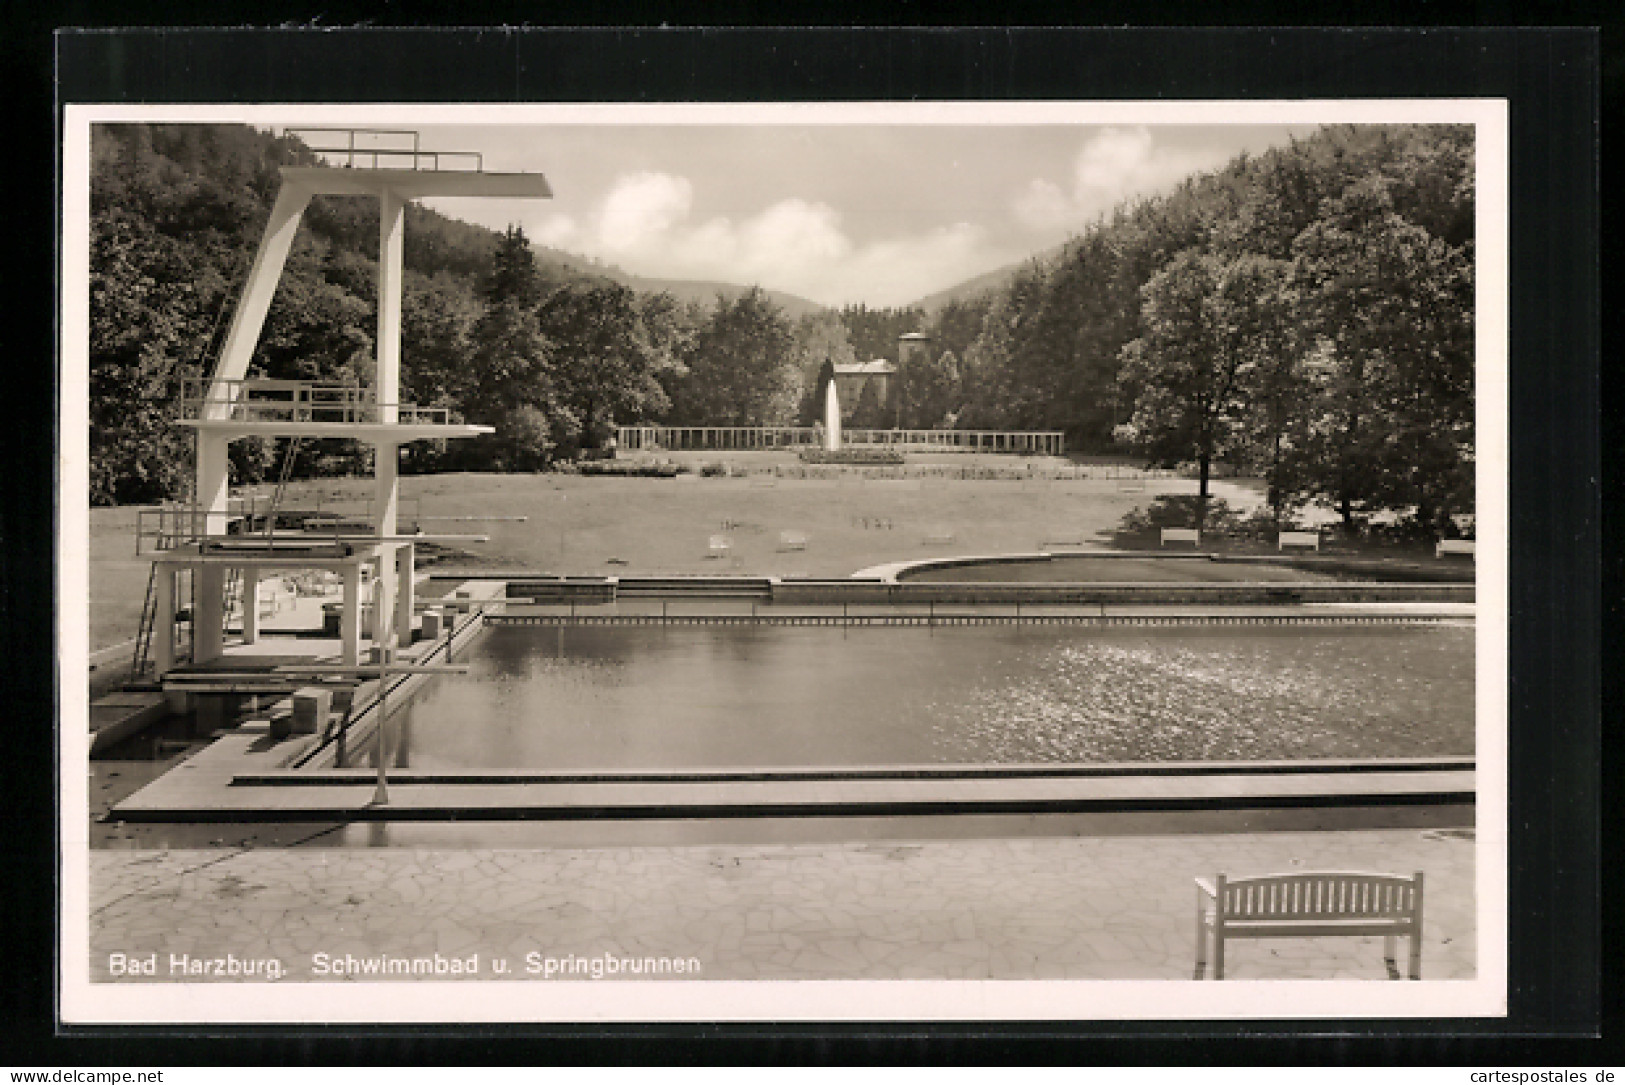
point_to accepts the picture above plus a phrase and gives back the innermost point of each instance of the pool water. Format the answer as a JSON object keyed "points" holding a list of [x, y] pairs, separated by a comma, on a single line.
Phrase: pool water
{"points": [[675, 697]]}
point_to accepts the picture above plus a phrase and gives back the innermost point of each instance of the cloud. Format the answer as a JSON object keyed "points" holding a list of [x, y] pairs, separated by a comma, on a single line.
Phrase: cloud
{"points": [[1112, 165], [646, 224], [641, 210]]}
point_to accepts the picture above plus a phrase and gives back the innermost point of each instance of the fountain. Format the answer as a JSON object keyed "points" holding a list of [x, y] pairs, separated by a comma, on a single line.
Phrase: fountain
{"points": [[832, 418]]}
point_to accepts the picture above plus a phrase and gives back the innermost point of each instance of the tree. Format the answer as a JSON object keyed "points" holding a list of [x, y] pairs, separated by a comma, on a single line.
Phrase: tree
{"points": [[993, 384], [438, 316], [1209, 326], [813, 403], [741, 366], [1393, 306], [927, 389], [955, 326], [513, 276], [820, 344], [868, 412], [873, 333], [604, 366], [143, 328], [515, 388]]}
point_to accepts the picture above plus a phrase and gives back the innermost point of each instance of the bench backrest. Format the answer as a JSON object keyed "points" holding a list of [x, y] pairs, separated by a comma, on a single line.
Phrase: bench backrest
{"points": [[1300, 538], [1181, 534], [1319, 896]]}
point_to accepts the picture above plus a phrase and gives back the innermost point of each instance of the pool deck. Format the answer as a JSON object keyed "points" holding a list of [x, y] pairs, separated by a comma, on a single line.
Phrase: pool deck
{"points": [[214, 788], [1092, 907]]}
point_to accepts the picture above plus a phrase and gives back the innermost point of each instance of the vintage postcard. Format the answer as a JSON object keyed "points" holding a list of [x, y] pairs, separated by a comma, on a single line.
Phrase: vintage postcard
{"points": [[894, 561]]}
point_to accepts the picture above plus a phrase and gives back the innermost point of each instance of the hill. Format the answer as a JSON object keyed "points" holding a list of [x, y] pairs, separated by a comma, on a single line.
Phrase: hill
{"points": [[985, 283], [685, 291]]}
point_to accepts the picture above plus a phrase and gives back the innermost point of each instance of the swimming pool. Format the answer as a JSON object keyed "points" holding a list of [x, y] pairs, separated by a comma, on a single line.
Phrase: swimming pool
{"points": [[677, 697]]}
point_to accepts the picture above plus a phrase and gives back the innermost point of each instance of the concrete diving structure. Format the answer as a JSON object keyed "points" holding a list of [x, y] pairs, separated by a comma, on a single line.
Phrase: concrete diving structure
{"points": [[216, 544]]}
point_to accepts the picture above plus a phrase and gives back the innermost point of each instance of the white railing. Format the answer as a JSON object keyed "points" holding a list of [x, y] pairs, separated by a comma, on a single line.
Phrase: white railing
{"points": [[360, 147], [260, 399], [244, 522], [722, 438]]}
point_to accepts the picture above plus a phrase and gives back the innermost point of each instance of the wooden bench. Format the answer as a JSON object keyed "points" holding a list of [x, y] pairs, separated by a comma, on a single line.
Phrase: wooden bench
{"points": [[1454, 546], [1309, 905], [1298, 538], [1181, 534], [721, 546], [792, 540]]}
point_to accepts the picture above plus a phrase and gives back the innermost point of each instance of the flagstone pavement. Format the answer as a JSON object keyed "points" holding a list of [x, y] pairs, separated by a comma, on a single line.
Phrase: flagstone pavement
{"points": [[1035, 908]]}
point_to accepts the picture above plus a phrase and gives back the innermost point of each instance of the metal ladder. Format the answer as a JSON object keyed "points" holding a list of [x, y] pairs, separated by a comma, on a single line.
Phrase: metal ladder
{"points": [[149, 621], [281, 486], [234, 592], [143, 635]]}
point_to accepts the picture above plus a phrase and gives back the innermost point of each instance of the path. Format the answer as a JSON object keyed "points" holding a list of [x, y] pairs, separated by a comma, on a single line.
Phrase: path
{"points": [[1079, 908]]}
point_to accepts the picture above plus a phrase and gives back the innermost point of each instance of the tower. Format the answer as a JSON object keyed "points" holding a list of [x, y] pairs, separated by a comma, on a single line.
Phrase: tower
{"points": [[210, 540]]}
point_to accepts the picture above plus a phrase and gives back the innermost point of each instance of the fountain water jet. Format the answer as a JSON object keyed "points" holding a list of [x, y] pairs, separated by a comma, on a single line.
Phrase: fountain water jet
{"points": [[832, 418]]}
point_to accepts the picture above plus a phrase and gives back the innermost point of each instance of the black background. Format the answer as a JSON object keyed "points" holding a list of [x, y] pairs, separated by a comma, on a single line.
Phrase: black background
{"points": [[1561, 665]]}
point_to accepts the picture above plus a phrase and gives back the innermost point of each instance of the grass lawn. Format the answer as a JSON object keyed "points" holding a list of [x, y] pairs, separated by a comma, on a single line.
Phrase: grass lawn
{"points": [[606, 526]]}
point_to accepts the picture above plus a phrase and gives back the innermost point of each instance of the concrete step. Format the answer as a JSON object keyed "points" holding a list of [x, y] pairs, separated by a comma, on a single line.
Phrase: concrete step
{"points": [[119, 715]]}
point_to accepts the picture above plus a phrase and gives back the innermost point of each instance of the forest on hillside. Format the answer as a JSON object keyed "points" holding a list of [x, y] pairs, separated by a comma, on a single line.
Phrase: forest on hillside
{"points": [[1305, 314]]}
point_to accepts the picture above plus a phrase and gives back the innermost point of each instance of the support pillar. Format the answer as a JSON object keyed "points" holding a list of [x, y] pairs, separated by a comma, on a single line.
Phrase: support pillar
{"points": [[383, 597], [391, 248], [387, 499], [350, 618], [406, 557], [251, 604], [209, 614], [213, 495], [249, 316], [213, 482]]}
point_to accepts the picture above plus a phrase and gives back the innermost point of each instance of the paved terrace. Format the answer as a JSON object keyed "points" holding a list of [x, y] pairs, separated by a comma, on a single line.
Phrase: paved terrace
{"points": [[1095, 907]]}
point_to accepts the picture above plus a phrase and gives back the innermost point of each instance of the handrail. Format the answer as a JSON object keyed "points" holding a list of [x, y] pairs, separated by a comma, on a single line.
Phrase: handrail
{"points": [[263, 399], [351, 151], [170, 527]]}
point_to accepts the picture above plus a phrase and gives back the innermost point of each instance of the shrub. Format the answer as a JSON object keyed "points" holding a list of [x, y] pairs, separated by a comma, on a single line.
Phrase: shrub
{"points": [[1179, 510], [624, 469], [714, 470], [1262, 526]]}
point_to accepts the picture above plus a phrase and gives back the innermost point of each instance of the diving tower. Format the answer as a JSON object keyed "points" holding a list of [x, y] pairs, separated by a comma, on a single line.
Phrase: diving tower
{"points": [[215, 541]]}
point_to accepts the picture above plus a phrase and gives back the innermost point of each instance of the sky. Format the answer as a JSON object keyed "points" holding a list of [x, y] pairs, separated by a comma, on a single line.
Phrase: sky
{"points": [[882, 214]]}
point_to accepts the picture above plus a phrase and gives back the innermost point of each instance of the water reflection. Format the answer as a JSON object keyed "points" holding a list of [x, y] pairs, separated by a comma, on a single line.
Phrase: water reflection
{"points": [[685, 697]]}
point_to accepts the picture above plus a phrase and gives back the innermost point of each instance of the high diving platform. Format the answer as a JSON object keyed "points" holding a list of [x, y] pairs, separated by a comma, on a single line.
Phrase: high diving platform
{"points": [[213, 552]]}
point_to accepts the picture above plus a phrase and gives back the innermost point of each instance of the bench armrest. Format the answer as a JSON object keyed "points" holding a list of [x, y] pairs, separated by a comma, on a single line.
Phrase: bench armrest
{"points": [[1206, 886]]}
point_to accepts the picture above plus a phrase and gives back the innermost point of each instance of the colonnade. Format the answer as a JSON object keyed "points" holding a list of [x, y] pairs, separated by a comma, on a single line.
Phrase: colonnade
{"points": [[744, 438]]}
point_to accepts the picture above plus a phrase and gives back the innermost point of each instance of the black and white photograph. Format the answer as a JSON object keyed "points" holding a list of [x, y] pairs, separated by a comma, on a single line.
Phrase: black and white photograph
{"points": [[784, 561]]}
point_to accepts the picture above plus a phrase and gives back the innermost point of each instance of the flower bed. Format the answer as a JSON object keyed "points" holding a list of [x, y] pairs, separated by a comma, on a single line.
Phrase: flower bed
{"points": [[628, 469], [861, 457]]}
